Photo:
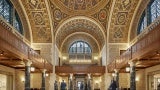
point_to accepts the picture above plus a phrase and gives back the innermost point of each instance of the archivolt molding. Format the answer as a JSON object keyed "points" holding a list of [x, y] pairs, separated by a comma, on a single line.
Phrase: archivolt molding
{"points": [[80, 37], [120, 20], [39, 18], [134, 25], [24, 19], [80, 24]]}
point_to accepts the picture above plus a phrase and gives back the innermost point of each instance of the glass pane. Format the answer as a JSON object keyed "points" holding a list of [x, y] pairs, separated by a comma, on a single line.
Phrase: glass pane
{"points": [[1, 8], [6, 12]]}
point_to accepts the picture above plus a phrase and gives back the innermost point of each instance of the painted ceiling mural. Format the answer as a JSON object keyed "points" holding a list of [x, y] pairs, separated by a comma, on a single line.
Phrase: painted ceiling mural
{"points": [[80, 25], [120, 21], [62, 10], [39, 19]]}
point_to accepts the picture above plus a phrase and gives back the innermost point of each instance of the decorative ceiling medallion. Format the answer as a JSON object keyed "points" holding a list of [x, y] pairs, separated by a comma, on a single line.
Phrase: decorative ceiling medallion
{"points": [[57, 15], [80, 7], [102, 15], [34, 3]]}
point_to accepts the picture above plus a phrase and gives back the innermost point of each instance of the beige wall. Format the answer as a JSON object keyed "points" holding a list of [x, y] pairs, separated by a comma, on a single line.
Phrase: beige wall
{"points": [[124, 80], [19, 80], [140, 80], [8, 71]]}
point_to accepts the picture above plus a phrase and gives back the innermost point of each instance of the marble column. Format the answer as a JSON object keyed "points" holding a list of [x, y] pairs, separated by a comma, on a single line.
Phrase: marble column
{"points": [[43, 79], [27, 74], [71, 82], [117, 77], [132, 76]]}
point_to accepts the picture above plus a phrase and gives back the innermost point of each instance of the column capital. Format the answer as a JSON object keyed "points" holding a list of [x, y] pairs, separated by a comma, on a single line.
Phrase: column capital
{"points": [[132, 63], [116, 70], [43, 70], [27, 62]]}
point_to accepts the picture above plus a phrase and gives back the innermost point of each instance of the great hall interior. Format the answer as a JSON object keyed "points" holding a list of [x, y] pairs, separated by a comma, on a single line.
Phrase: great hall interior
{"points": [[88, 44]]}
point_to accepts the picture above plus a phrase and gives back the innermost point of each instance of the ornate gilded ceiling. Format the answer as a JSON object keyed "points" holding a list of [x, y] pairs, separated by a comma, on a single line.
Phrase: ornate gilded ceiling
{"points": [[120, 21], [80, 7], [105, 19], [39, 20], [80, 24]]}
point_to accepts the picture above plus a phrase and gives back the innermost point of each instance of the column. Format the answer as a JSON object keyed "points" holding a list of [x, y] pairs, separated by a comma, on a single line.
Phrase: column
{"points": [[117, 77], [27, 74], [43, 79], [132, 76], [71, 82]]}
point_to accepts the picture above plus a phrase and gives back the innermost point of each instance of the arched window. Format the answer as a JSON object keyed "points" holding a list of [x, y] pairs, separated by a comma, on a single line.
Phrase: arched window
{"points": [[154, 9], [80, 47], [149, 15], [8, 12], [142, 23]]}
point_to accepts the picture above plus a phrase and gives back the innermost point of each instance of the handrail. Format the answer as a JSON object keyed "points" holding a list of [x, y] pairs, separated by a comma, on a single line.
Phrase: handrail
{"points": [[150, 36], [14, 43]]}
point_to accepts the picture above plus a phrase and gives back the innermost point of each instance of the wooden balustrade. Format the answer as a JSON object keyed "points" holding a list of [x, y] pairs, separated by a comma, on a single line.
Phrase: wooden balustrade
{"points": [[80, 69], [16, 47], [150, 42]]}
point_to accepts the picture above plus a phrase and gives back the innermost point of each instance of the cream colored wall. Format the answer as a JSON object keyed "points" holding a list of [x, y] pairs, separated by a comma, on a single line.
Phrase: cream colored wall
{"points": [[140, 80], [45, 50], [150, 70], [124, 80], [103, 53], [7, 70], [113, 50], [19, 80], [36, 80]]}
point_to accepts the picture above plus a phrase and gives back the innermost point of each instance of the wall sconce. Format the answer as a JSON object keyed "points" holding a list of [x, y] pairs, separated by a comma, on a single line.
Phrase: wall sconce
{"points": [[127, 69], [137, 79], [113, 74], [95, 58], [47, 74], [32, 69], [22, 79], [2, 53], [64, 58]]}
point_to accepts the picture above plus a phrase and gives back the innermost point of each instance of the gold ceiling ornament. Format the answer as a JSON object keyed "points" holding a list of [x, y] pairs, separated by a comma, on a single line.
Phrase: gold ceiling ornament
{"points": [[80, 7], [39, 19], [80, 24], [120, 21]]}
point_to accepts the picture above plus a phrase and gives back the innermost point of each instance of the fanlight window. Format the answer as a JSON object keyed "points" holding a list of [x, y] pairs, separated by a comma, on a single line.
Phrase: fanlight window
{"points": [[11, 16], [80, 47], [149, 15], [80, 51]]}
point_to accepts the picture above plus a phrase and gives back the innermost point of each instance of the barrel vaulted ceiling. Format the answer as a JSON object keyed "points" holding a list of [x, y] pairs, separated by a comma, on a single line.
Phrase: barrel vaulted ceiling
{"points": [[56, 20]]}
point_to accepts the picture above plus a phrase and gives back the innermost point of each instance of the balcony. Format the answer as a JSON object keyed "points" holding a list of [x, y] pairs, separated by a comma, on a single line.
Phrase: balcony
{"points": [[145, 51], [14, 50]]}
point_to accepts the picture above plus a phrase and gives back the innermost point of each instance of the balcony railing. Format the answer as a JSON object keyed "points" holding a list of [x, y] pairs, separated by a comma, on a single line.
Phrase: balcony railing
{"points": [[148, 42], [15, 45]]}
